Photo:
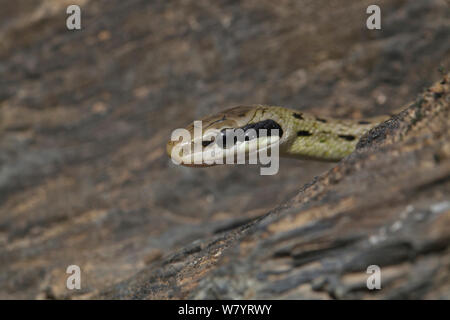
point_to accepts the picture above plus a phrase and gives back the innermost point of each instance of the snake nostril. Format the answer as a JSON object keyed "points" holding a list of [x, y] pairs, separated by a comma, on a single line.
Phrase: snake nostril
{"points": [[206, 143]]}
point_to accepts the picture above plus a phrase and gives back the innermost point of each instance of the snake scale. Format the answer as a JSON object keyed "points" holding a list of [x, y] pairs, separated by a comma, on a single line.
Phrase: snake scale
{"points": [[300, 135]]}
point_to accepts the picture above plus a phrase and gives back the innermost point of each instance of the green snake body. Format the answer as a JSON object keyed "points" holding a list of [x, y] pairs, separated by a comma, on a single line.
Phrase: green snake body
{"points": [[303, 135]]}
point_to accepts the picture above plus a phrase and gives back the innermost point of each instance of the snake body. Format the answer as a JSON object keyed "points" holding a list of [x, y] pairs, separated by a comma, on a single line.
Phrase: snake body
{"points": [[301, 135]]}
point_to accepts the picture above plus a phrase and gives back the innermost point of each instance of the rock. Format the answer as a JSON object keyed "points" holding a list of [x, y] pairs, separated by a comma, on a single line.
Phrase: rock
{"points": [[386, 205]]}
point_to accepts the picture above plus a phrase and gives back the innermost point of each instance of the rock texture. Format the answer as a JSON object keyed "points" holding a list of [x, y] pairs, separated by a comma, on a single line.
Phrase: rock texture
{"points": [[388, 205], [85, 115]]}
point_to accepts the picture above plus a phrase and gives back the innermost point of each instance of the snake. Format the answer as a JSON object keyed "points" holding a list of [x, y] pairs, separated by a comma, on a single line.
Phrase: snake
{"points": [[298, 135]]}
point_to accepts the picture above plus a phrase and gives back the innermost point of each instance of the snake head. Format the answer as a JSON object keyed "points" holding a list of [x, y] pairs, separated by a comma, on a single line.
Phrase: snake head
{"points": [[216, 139]]}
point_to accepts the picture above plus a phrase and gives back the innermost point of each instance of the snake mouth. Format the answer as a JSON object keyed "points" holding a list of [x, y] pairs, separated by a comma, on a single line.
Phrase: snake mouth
{"points": [[213, 154]]}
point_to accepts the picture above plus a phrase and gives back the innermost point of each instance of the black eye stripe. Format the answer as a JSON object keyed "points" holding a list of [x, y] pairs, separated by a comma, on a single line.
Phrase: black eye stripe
{"points": [[266, 124], [347, 137], [251, 131], [304, 133]]}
